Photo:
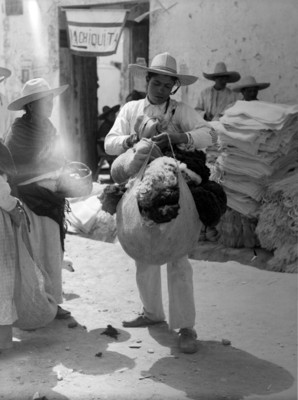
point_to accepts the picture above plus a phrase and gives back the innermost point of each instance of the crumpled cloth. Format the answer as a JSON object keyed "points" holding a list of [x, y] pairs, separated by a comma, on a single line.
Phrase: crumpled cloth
{"points": [[128, 164]]}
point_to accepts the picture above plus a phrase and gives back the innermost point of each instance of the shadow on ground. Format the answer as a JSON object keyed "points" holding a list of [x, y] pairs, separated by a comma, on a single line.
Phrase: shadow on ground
{"points": [[47, 355], [216, 371]]}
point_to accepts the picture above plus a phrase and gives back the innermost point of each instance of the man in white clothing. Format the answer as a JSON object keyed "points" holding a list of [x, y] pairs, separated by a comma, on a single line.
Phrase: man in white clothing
{"points": [[183, 126], [214, 99]]}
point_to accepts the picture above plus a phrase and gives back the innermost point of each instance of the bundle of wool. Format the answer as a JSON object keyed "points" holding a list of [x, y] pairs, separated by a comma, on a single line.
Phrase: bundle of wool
{"points": [[285, 258], [157, 192], [237, 230], [277, 227], [230, 229]]}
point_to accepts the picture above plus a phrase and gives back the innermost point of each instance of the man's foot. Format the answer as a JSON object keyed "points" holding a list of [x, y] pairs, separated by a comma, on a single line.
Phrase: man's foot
{"points": [[62, 314], [139, 322], [187, 341]]}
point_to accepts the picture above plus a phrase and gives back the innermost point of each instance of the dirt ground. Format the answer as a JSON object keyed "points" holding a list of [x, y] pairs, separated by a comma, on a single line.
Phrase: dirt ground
{"points": [[254, 309]]}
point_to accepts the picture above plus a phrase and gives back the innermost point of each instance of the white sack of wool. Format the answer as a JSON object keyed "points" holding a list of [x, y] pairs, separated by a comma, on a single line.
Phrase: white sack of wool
{"points": [[151, 242]]}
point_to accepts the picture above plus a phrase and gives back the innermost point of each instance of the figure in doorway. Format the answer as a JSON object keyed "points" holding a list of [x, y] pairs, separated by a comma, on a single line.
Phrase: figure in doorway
{"points": [[105, 122]]}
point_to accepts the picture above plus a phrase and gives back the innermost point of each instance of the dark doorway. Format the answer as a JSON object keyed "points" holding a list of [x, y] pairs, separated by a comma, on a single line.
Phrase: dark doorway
{"points": [[79, 106]]}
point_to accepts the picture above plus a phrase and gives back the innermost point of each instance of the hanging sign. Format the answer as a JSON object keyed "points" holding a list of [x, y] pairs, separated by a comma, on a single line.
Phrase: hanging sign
{"points": [[94, 32]]}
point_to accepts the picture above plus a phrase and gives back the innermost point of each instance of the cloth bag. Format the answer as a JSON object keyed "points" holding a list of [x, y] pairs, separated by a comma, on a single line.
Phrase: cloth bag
{"points": [[157, 243], [35, 307]]}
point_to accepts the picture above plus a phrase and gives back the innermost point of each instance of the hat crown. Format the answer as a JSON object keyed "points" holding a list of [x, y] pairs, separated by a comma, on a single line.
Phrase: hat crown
{"points": [[220, 68], [36, 85], [249, 80], [165, 62]]}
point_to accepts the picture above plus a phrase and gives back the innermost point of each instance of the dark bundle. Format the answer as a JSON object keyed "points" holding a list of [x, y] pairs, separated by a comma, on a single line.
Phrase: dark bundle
{"points": [[211, 201], [194, 160], [164, 206], [111, 196], [209, 196]]}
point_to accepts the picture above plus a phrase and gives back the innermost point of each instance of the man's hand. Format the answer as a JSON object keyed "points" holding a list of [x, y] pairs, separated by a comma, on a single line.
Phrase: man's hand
{"points": [[162, 140], [130, 141]]}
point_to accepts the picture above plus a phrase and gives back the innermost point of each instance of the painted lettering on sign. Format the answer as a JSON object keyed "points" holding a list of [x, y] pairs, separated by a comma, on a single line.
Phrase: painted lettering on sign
{"points": [[95, 33]]}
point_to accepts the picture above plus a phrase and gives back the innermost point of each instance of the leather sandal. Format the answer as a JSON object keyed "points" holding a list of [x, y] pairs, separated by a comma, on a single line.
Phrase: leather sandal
{"points": [[62, 314], [187, 341], [139, 322]]}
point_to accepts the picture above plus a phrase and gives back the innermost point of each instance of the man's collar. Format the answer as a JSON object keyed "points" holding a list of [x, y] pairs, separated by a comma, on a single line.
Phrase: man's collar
{"points": [[148, 104]]}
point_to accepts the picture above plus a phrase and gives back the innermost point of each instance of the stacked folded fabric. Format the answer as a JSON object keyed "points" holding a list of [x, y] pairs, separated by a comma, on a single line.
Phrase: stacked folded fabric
{"points": [[257, 139]]}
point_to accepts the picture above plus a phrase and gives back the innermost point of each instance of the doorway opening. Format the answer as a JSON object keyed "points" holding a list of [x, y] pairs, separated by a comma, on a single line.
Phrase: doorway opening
{"points": [[95, 82]]}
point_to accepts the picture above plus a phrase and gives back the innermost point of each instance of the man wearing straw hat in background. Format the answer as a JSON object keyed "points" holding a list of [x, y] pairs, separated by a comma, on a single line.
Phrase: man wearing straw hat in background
{"points": [[249, 88], [183, 126], [214, 99], [5, 115], [211, 104]]}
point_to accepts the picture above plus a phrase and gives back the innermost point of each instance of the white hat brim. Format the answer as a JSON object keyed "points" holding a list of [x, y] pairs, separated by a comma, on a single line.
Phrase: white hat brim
{"points": [[184, 80], [19, 103], [260, 86]]}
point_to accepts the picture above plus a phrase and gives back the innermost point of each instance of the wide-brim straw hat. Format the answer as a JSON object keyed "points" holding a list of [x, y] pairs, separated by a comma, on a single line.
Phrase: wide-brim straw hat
{"points": [[221, 70], [164, 64], [4, 73], [250, 81], [35, 89], [106, 110]]}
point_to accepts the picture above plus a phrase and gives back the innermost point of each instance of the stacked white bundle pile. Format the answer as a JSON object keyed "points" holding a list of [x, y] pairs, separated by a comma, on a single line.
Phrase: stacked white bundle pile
{"points": [[257, 139], [259, 146]]}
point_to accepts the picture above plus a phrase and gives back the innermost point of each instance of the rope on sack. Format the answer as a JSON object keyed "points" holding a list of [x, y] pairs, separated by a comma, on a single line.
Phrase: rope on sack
{"points": [[173, 154]]}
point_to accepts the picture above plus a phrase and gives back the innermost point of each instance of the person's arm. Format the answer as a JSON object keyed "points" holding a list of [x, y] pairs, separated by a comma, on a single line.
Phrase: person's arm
{"points": [[191, 130], [119, 139], [196, 128]]}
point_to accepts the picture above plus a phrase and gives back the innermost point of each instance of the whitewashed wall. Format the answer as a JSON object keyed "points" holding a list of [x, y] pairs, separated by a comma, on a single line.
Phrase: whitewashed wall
{"points": [[31, 41], [30, 44], [254, 37], [257, 37]]}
